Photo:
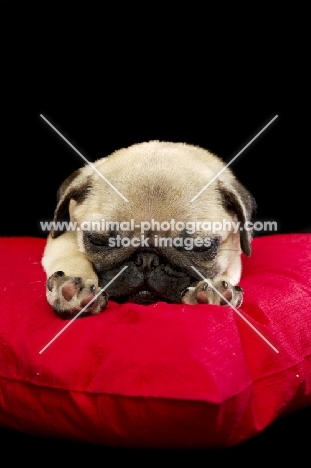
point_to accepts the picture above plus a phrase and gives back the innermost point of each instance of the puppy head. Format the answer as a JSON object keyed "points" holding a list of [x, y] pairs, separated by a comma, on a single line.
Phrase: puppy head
{"points": [[159, 180]]}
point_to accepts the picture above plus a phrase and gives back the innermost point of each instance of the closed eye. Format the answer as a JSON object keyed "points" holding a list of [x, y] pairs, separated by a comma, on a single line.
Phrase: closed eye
{"points": [[202, 248], [96, 240], [210, 245]]}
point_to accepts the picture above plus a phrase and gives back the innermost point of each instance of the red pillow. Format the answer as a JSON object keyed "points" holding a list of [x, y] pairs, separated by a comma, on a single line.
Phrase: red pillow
{"points": [[176, 376]]}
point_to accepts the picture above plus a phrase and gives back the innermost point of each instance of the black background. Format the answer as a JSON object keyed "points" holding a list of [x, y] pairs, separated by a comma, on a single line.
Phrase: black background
{"points": [[36, 160], [106, 89], [107, 79]]}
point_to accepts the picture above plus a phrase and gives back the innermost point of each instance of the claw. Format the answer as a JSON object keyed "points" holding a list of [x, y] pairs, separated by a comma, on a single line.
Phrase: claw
{"points": [[185, 291], [58, 274], [52, 279]]}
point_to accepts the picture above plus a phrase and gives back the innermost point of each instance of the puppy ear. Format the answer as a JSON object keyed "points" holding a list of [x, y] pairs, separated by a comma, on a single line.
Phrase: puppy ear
{"points": [[71, 189], [239, 200]]}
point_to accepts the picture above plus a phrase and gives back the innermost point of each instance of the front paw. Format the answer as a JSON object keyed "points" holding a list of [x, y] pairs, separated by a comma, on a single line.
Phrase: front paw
{"points": [[68, 295], [219, 292]]}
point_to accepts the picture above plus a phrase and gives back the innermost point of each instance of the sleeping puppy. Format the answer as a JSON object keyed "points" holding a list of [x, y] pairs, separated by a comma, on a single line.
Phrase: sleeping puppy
{"points": [[168, 212]]}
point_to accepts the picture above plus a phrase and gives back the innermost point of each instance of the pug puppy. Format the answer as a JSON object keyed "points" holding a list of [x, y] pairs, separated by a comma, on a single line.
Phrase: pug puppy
{"points": [[171, 213]]}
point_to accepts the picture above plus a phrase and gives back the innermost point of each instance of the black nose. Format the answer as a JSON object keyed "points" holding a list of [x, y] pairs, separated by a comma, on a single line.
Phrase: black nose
{"points": [[146, 262]]}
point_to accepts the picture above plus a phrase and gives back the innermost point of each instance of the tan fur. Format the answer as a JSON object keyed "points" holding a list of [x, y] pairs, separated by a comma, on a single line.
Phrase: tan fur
{"points": [[159, 179]]}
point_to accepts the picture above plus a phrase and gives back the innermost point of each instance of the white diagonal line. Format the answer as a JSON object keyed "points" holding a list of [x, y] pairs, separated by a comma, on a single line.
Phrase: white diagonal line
{"points": [[233, 159], [84, 158], [82, 310], [237, 311]]}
